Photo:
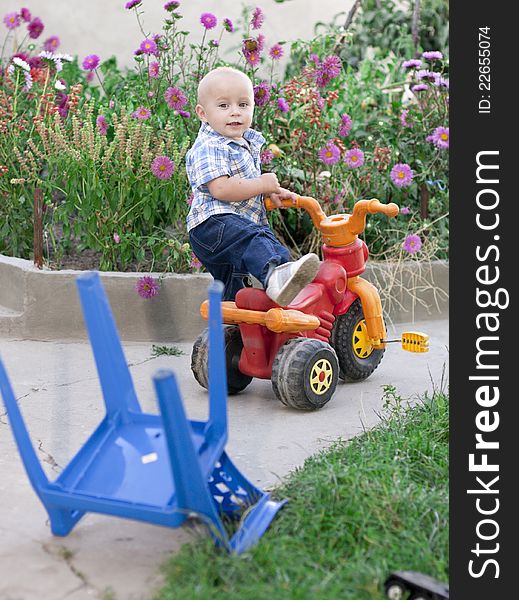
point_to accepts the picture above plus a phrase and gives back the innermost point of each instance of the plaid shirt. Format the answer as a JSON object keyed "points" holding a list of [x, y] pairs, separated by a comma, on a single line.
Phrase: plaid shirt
{"points": [[213, 155]]}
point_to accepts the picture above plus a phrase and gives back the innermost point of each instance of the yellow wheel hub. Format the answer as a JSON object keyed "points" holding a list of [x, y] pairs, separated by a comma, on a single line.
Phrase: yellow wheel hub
{"points": [[360, 340], [321, 376]]}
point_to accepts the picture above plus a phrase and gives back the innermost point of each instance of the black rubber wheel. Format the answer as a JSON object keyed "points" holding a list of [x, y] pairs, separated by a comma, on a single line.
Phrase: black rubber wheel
{"points": [[236, 380], [305, 373], [357, 358], [395, 590]]}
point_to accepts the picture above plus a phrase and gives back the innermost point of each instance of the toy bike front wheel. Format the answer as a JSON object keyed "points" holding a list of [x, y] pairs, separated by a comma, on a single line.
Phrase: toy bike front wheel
{"points": [[305, 373], [357, 357], [236, 380]]}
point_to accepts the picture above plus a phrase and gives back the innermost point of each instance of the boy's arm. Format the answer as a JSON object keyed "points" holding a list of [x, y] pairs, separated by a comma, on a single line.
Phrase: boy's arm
{"points": [[236, 189]]}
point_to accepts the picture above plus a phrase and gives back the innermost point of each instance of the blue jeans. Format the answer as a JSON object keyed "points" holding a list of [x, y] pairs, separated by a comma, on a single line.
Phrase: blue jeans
{"points": [[231, 247]]}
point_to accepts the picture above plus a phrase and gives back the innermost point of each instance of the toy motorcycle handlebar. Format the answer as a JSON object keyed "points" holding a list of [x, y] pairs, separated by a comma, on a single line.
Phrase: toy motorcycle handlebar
{"points": [[342, 229]]}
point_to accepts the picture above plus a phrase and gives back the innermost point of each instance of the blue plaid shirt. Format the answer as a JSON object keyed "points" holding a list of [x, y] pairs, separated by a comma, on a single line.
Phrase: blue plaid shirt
{"points": [[214, 155]]}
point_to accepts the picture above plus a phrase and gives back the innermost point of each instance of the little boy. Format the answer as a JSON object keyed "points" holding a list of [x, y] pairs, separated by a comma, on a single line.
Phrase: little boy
{"points": [[227, 223]]}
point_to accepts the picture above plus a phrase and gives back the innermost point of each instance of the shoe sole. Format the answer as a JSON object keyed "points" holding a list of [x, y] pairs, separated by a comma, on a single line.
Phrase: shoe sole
{"points": [[307, 271]]}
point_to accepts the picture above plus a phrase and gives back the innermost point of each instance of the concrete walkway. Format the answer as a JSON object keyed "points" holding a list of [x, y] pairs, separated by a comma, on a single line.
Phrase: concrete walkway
{"points": [[107, 558]]}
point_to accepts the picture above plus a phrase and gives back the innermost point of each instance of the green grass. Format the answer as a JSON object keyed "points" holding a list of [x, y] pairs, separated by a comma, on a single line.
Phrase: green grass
{"points": [[166, 350], [356, 512]]}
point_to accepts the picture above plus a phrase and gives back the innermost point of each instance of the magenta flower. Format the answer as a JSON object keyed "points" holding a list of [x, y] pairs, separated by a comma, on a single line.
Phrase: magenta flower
{"points": [[148, 46], [12, 20], [51, 44], [346, 124], [102, 124], [403, 118], [330, 154], [208, 20], [253, 58], [162, 167], [276, 52], [258, 18], [432, 55], [266, 157], [196, 265], [412, 243], [420, 87], [327, 70], [354, 158], [405, 210], [132, 4], [35, 28], [154, 70], [184, 113], [401, 174], [228, 26], [261, 93], [147, 287], [171, 6], [25, 13], [116, 237], [283, 105], [440, 137], [412, 64], [90, 62], [142, 113], [175, 98]]}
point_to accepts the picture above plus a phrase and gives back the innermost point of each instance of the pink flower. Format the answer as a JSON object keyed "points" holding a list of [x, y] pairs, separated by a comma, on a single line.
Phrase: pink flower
{"points": [[432, 55], [228, 26], [148, 46], [283, 105], [440, 137], [102, 125], [12, 20], [330, 154], [208, 20], [90, 62], [35, 28], [403, 118], [162, 167], [327, 70], [51, 44], [154, 70], [171, 5], [346, 124], [412, 64], [354, 158], [261, 93], [25, 13], [258, 18], [412, 243], [147, 287], [405, 210], [117, 239], [401, 174], [175, 98], [420, 87], [196, 265], [132, 4], [266, 157], [142, 113], [276, 52]]}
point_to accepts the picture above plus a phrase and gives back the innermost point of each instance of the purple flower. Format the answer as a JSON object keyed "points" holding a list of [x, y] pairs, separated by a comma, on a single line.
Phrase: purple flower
{"points": [[102, 124], [327, 70], [184, 113], [405, 210], [412, 64], [35, 28], [432, 55], [51, 44], [154, 70], [171, 6], [90, 62], [330, 154], [354, 158], [12, 20], [283, 105], [276, 52], [440, 137], [175, 98], [25, 13], [196, 265], [253, 58], [425, 74], [148, 46], [132, 4], [441, 82], [257, 18], [208, 20], [142, 113], [261, 93], [346, 124], [116, 237], [266, 157], [147, 287], [162, 167], [412, 243], [403, 118], [401, 174], [228, 26], [214, 43], [420, 87]]}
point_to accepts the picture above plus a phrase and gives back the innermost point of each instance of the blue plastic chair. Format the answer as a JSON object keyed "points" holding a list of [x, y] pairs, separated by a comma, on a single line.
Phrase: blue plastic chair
{"points": [[155, 468]]}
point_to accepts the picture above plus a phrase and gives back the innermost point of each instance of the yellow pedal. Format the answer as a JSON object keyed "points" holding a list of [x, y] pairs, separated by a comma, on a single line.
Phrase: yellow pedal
{"points": [[415, 341]]}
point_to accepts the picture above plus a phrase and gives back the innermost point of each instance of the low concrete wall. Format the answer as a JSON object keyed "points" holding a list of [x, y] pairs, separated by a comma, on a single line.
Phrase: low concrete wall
{"points": [[44, 305]]}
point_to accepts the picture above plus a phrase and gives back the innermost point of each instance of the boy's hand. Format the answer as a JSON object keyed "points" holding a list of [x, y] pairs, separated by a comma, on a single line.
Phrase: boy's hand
{"points": [[270, 183], [284, 194]]}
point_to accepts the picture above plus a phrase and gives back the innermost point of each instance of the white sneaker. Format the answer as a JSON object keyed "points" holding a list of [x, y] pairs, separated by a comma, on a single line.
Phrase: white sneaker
{"points": [[287, 280]]}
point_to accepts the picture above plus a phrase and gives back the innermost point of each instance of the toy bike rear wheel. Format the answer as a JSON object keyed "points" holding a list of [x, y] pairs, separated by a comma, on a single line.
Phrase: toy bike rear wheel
{"points": [[236, 380], [305, 373], [357, 358]]}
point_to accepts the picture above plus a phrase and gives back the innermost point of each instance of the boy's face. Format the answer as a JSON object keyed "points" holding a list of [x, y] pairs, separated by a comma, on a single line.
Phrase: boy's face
{"points": [[227, 104]]}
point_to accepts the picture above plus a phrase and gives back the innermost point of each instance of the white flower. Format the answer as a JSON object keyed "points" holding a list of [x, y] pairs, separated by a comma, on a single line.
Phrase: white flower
{"points": [[66, 57], [58, 64], [21, 63], [28, 81], [59, 85], [46, 54]]}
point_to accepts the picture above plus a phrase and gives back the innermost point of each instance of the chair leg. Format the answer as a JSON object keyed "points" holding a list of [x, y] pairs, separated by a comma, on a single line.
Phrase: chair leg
{"points": [[62, 521]]}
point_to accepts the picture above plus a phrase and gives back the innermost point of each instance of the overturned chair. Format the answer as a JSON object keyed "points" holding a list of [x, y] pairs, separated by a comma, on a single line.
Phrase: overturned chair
{"points": [[155, 468]]}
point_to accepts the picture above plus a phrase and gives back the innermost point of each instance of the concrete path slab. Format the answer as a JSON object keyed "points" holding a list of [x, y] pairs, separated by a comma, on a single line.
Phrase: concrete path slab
{"points": [[107, 558]]}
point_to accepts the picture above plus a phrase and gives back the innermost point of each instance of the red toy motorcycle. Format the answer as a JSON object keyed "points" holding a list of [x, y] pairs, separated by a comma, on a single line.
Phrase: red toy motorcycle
{"points": [[333, 328]]}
